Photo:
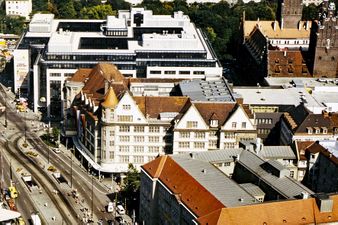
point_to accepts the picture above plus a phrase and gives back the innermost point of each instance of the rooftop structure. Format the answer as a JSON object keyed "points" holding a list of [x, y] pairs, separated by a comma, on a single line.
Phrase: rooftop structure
{"points": [[204, 91]]}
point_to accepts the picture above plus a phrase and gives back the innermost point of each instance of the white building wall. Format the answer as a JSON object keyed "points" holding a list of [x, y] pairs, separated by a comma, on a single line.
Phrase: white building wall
{"points": [[208, 73], [21, 68], [19, 8]]}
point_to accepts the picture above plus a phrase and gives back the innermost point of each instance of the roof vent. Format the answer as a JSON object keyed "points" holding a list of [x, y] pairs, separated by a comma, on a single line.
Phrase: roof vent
{"points": [[325, 204], [204, 171], [241, 199]]}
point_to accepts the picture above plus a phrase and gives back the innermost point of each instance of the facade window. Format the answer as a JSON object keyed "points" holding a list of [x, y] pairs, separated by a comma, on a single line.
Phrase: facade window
{"points": [[184, 134], [192, 124], [183, 144], [229, 135], [111, 155], [139, 149], [309, 130], [138, 129], [213, 144], [233, 124], [124, 148], [169, 72], [111, 143], [213, 134], [317, 130], [139, 139], [184, 72], [199, 145], [229, 145], [124, 129], [214, 123], [227, 163], [124, 158], [199, 135], [324, 130], [155, 72], [154, 139], [199, 72], [154, 149], [55, 74], [111, 133], [292, 173], [244, 125], [124, 118], [126, 107], [124, 138], [153, 129], [138, 159]]}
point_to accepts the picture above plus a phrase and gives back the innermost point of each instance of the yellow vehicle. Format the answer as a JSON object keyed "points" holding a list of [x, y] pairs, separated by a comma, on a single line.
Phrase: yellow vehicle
{"points": [[21, 221], [12, 192]]}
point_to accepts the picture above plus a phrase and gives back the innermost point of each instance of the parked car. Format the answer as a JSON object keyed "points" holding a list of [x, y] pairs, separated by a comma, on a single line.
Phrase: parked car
{"points": [[120, 209]]}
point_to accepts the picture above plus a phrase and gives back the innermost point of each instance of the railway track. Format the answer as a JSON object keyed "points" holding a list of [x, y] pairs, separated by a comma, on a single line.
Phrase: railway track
{"points": [[46, 181]]}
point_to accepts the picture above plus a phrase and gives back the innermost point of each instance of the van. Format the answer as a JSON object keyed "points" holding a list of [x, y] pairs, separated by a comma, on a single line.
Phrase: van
{"points": [[120, 210], [110, 207]]}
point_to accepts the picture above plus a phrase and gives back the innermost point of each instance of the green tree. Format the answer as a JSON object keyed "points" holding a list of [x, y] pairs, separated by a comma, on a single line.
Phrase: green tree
{"points": [[97, 12], [310, 12], [66, 9], [131, 187]]}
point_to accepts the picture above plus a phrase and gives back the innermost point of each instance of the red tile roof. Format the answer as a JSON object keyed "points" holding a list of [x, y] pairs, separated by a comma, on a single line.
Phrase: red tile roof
{"points": [[304, 211], [194, 196]]}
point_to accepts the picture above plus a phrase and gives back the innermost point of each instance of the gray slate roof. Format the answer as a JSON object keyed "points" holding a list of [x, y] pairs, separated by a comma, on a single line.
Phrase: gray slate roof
{"points": [[253, 189], [222, 187], [286, 186], [277, 152], [217, 156]]}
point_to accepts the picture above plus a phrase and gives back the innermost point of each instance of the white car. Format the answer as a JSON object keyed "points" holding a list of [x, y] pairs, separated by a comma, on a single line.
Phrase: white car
{"points": [[56, 150]]}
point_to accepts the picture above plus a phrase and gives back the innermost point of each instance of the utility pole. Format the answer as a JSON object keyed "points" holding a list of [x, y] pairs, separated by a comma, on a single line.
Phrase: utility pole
{"points": [[71, 169], [92, 197], [2, 172]]}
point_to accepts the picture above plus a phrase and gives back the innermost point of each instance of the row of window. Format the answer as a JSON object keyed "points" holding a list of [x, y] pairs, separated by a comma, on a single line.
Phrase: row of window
{"points": [[138, 129], [185, 72], [152, 139], [316, 130], [236, 125], [195, 135], [263, 121]]}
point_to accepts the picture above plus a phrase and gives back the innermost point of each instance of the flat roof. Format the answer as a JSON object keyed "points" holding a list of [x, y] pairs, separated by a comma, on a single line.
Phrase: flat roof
{"points": [[276, 96]]}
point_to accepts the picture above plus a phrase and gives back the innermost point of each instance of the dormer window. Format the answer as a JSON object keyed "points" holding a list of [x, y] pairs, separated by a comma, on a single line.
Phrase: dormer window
{"points": [[309, 130], [213, 123], [324, 130], [317, 130]]}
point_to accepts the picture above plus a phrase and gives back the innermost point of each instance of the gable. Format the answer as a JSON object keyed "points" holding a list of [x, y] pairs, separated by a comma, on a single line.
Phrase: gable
{"points": [[239, 117], [190, 117], [126, 108]]}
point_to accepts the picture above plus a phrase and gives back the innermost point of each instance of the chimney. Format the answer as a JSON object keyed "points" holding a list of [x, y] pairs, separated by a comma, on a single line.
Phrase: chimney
{"points": [[307, 25], [305, 195], [282, 24], [299, 25], [275, 25]]}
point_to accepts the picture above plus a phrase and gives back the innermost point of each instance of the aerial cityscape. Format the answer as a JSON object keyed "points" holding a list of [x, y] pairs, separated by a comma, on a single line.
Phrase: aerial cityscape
{"points": [[168, 112]]}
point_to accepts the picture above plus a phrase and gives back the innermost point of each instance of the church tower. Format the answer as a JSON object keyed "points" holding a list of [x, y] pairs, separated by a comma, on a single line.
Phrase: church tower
{"points": [[289, 13], [325, 38]]}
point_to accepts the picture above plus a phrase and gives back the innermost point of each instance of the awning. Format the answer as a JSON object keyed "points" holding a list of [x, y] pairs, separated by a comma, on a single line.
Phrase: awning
{"points": [[6, 215]]}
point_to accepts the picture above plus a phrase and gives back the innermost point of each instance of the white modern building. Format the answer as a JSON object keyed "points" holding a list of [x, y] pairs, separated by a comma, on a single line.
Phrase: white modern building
{"points": [[139, 43], [19, 8]]}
